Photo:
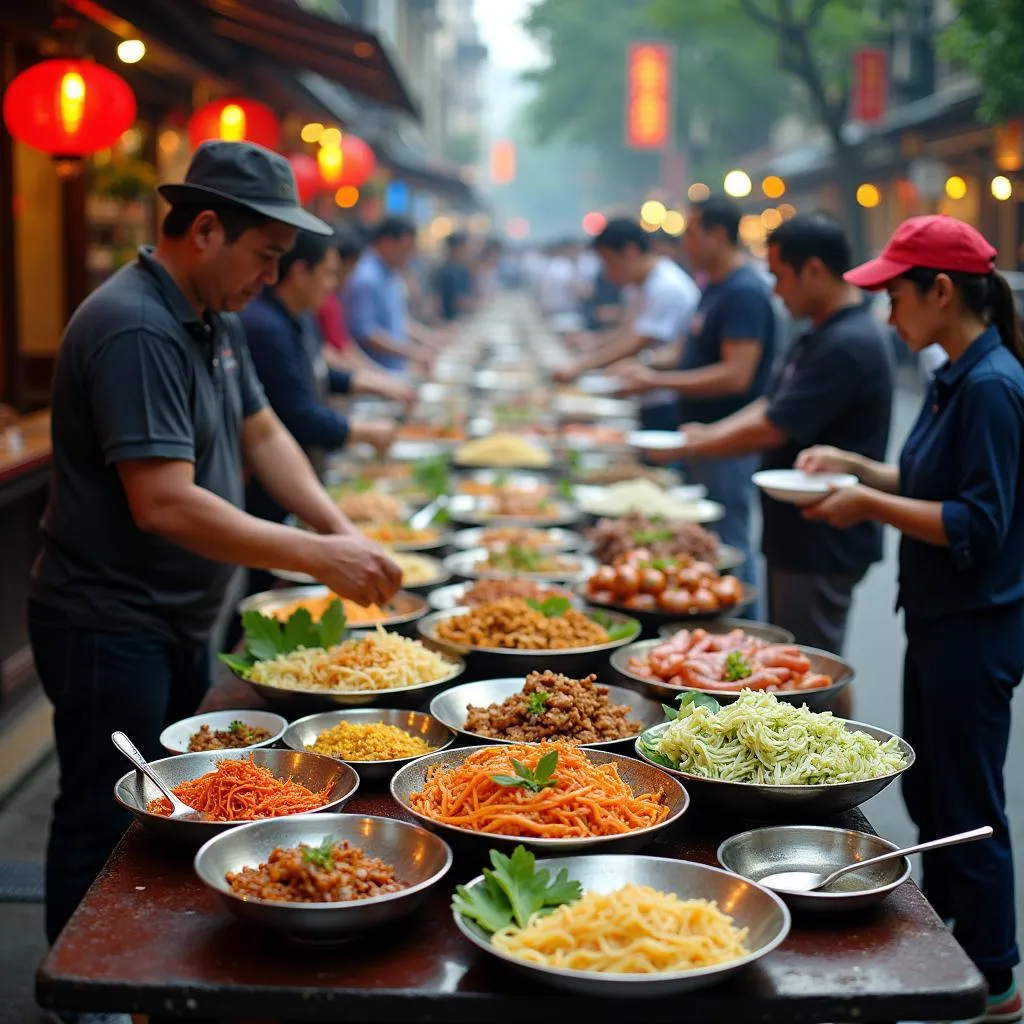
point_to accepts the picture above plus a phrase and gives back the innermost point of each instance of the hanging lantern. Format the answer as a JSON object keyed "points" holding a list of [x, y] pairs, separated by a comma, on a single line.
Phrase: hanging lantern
{"points": [[358, 161], [68, 108], [307, 176], [235, 120], [330, 161]]}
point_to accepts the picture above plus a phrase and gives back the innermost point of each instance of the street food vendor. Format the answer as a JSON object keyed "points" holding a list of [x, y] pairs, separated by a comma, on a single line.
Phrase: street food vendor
{"points": [[957, 498], [156, 405]]}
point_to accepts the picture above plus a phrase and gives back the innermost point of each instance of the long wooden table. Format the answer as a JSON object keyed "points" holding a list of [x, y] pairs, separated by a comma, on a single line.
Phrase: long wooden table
{"points": [[149, 938]]}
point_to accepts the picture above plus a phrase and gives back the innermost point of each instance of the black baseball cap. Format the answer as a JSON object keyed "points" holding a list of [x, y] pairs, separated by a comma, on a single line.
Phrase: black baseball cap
{"points": [[244, 174]]}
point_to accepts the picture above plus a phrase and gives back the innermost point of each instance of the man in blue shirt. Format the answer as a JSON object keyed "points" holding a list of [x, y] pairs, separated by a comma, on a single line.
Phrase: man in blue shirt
{"points": [[453, 282], [725, 363], [377, 302]]}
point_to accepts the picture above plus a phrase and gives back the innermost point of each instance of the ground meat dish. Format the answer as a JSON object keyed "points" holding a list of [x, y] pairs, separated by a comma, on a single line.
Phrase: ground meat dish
{"points": [[333, 872], [235, 737], [663, 538], [513, 625], [551, 706], [486, 591]]}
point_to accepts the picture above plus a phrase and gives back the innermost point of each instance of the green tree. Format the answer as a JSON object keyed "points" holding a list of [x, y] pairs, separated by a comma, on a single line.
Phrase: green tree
{"points": [[812, 41], [988, 38]]}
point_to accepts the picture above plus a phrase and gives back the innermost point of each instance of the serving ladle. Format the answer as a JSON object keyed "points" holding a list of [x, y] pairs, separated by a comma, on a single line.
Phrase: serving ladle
{"points": [[812, 881], [179, 811]]}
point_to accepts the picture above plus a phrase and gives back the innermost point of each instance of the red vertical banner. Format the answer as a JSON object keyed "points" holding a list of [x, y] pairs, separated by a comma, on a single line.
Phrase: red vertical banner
{"points": [[649, 99], [870, 93]]}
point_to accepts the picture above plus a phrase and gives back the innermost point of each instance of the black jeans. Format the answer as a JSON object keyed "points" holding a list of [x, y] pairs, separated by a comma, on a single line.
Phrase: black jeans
{"points": [[99, 682]]}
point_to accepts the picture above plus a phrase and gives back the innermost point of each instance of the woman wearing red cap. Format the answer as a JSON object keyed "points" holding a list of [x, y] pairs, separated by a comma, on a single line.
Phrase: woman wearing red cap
{"points": [[957, 498]]}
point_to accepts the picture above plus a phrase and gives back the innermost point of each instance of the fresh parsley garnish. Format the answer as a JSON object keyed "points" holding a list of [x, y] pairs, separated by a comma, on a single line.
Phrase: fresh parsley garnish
{"points": [[566, 490], [651, 536], [433, 476], [551, 607], [519, 558], [363, 485], [536, 703], [736, 667], [513, 890], [616, 629], [322, 856], [688, 701], [533, 779]]}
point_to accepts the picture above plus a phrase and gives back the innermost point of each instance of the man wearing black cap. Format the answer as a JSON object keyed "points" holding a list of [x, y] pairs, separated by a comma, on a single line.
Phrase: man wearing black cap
{"points": [[156, 407]]}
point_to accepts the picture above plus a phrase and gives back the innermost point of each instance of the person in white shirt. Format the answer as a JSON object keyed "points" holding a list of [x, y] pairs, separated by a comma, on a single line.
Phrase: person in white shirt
{"points": [[661, 303]]}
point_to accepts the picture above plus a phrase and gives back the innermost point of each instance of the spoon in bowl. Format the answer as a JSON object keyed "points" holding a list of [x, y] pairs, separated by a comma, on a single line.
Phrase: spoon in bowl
{"points": [[179, 811], [812, 881]]}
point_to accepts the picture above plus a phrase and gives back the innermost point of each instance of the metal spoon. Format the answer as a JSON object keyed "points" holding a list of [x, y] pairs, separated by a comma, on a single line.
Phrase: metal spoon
{"points": [[179, 810], [422, 519], [810, 881]]}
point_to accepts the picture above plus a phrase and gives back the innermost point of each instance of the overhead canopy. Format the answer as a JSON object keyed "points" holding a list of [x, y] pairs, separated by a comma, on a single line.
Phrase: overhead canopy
{"points": [[438, 182]]}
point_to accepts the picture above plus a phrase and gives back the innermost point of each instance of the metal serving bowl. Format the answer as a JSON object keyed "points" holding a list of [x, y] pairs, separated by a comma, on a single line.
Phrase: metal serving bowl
{"points": [[821, 661], [465, 564], [445, 599], [451, 707], [762, 630], [303, 734], [765, 851], [757, 801], [175, 738], [497, 662], [556, 538], [475, 512], [641, 777], [405, 608], [306, 702], [419, 858], [134, 791], [750, 906]]}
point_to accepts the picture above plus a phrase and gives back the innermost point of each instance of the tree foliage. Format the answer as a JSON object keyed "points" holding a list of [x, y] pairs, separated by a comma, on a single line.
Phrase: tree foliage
{"points": [[988, 38]]}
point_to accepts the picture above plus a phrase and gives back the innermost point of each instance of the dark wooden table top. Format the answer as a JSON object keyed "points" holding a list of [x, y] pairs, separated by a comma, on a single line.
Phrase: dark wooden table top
{"points": [[36, 449], [149, 938]]}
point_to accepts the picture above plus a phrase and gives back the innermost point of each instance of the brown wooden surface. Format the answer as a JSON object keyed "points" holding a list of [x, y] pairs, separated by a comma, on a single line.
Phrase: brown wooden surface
{"points": [[151, 939], [36, 454]]}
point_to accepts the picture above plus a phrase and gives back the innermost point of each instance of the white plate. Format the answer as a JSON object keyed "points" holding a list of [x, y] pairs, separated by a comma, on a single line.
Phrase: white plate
{"points": [[598, 384], [795, 487], [655, 440], [175, 738]]}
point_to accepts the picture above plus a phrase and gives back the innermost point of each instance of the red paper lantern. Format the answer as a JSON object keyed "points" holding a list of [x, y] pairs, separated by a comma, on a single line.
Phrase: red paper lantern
{"points": [[358, 161], [235, 120], [307, 176], [68, 108]]}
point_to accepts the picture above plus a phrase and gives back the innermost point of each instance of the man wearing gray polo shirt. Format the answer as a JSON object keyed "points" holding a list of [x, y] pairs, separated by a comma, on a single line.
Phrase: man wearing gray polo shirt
{"points": [[156, 407]]}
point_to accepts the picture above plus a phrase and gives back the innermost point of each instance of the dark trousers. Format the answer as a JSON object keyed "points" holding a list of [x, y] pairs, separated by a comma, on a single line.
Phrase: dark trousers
{"points": [[100, 682], [959, 676], [814, 607]]}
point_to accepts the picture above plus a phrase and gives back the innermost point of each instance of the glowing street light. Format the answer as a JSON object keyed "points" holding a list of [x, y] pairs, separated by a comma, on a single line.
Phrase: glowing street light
{"points": [[737, 184]]}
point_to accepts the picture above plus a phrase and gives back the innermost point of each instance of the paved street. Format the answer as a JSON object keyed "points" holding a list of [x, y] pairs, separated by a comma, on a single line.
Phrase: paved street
{"points": [[875, 649]]}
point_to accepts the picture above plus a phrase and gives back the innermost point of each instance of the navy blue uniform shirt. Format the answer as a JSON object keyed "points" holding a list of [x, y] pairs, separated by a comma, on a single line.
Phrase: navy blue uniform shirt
{"points": [[453, 283], [835, 388], [965, 451], [738, 308]]}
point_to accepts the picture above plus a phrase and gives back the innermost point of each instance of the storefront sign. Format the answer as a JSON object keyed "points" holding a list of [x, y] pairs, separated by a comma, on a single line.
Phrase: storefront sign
{"points": [[870, 86], [649, 73]]}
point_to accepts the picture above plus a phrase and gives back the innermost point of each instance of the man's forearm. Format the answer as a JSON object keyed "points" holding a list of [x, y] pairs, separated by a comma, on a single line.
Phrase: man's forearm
{"points": [[716, 381], [622, 347], [744, 433], [381, 341]]}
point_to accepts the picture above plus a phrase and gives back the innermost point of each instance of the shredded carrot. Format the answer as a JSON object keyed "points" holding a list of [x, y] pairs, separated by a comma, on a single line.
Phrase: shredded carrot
{"points": [[243, 791], [586, 800]]}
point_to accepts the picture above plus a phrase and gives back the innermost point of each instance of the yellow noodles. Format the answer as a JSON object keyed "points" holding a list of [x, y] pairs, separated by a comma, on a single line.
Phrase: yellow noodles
{"points": [[634, 930], [368, 741], [502, 450], [377, 661]]}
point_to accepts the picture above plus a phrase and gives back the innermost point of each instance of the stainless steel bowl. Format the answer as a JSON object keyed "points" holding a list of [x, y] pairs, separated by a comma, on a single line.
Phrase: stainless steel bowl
{"points": [[134, 791], [475, 512], [468, 565], [762, 630], [821, 661], [498, 662], [638, 775], [419, 858], [406, 608], [445, 599], [556, 538], [765, 851], [750, 906], [302, 734], [175, 738], [450, 708], [760, 802]]}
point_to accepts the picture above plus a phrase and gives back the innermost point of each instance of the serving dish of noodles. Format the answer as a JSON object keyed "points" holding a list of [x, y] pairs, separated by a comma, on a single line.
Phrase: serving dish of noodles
{"points": [[503, 451]]}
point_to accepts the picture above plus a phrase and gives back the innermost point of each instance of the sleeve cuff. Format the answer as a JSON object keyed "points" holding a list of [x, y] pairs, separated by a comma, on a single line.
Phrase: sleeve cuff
{"points": [[180, 451], [341, 382], [956, 523]]}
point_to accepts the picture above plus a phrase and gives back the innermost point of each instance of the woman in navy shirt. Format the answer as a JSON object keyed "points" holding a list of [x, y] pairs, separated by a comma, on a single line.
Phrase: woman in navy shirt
{"points": [[957, 498]]}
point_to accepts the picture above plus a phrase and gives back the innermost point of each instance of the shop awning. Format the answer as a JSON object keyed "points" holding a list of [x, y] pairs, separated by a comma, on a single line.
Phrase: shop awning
{"points": [[443, 183]]}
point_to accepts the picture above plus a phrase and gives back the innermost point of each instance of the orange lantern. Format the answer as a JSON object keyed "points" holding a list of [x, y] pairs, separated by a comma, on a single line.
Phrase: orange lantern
{"points": [[68, 108], [235, 120], [307, 175], [358, 161]]}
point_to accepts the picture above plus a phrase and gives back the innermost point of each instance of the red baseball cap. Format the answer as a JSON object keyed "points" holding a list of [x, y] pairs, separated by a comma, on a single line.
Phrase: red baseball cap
{"points": [[937, 242]]}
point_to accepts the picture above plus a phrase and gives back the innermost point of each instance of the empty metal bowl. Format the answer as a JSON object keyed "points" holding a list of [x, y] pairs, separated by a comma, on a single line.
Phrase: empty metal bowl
{"points": [[175, 738], [419, 858], [451, 707], [304, 732], [472, 565], [641, 777], [750, 906], [134, 791], [759, 802], [762, 630], [821, 661], [766, 851]]}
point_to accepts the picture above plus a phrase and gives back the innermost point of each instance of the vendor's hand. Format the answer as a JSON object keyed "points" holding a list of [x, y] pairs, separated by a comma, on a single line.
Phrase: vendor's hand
{"points": [[634, 378], [380, 434], [355, 567], [394, 389], [844, 507], [665, 456], [823, 458], [565, 374]]}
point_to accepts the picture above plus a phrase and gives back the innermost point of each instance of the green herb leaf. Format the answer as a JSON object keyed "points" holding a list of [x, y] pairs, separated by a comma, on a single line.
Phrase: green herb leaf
{"points": [[486, 904], [546, 767], [736, 667], [551, 607], [649, 744], [691, 699], [562, 890], [532, 779], [442, 517], [238, 663], [322, 856], [508, 781], [332, 625], [671, 714], [433, 476], [299, 631], [536, 703], [652, 536], [363, 485], [566, 490], [236, 727], [501, 481], [263, 636], [574, 458], [615, 628]]}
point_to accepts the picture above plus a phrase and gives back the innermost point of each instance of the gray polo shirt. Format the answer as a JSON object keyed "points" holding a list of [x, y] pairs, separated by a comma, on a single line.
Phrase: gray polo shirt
{"points": [[139, 376]]}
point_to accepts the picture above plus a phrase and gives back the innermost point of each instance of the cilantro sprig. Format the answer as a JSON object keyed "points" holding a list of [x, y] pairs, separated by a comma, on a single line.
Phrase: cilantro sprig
{"points": [[616, 629], [737, 667], [536, 703], [322, 856], [433, 476], [533, 779], [512, 891], [551, 607]]}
